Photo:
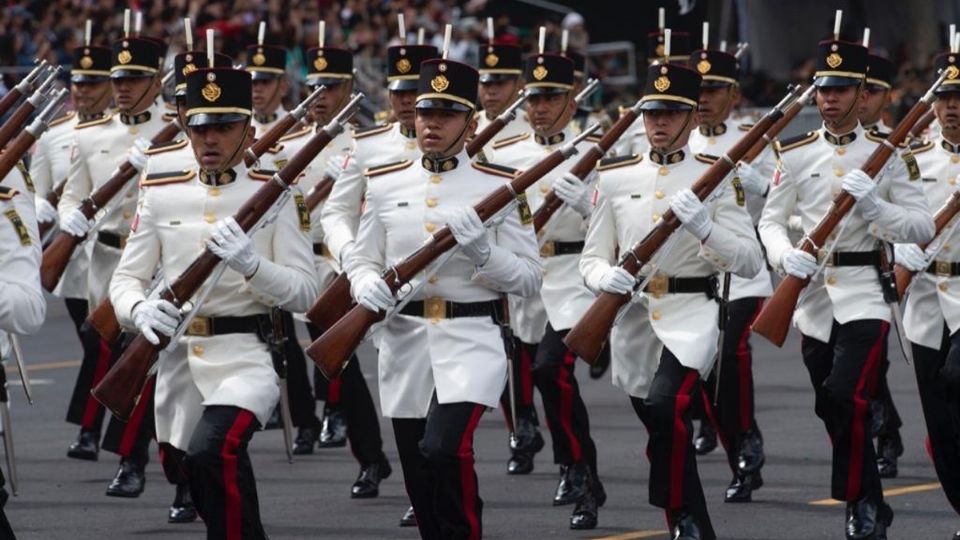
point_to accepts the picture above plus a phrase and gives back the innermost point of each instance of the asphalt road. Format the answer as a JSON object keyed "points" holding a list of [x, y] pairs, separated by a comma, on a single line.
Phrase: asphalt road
{"points": [[64, 498]]}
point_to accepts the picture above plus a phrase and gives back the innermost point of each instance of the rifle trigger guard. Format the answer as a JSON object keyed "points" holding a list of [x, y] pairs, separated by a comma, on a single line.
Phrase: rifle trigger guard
{"points": [[396, 277], [807, 239]]}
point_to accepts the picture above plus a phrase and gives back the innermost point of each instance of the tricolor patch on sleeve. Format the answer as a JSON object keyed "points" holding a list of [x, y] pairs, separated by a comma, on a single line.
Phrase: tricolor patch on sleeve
{"points": [[776, 177]]}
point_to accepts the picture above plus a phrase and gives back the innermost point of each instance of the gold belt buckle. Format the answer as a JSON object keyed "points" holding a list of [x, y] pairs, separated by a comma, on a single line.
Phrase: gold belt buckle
{"points": [[658, 285], [434, 309], [823, 254], [548, 249], [943, 268], [199, 326]]}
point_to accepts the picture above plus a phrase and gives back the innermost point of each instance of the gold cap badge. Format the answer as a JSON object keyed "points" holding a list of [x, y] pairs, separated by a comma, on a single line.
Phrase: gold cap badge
{"points": [[703, 66], [320, 63], [188, 69], [662, 83], [439, 83], [491, 60], [211, 92], [834, 60], [259, 59], [86, 62], [660, 50], [124, 57], [403, 65], [539, 73], [952, 72]]}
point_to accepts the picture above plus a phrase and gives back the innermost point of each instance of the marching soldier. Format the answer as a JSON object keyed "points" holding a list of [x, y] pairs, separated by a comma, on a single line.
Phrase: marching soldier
{"points": [[267, 65], [877, 95], [101, 146], [442, 362], [734, 414], [931, 317], [218, 385], [541, 321], [842, 315], [654, 359], [501, 70]]}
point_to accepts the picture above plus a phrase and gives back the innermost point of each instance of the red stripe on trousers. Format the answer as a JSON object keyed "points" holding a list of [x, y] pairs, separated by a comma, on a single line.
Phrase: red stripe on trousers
{"points": [[566, 405], [468, 484], [860, 406], [233, 507], [745, 372], [103, 362], [132, 428], [333, 390], [526, 376], [711, 418], [681, 439]]}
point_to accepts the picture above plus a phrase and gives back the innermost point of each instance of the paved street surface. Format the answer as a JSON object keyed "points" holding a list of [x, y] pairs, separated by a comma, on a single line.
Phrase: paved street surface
{"points": [[64, 498]]}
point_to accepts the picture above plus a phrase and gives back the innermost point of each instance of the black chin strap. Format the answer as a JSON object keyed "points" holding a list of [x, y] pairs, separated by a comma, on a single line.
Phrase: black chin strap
{"points": [[550, 130], [246, 131], [853, 106], [686, 125], [442, 153], [143, 95]]}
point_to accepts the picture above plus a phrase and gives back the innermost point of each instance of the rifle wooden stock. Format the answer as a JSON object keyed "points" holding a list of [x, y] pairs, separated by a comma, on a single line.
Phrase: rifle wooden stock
{"points": [[58, 253], [332, 350], [588, 336], [16, 122], [552, 203], [774, 319], [792, 111], [319, 193], [917, 131], [104, 321], [52, 197], [121, 386], [481, 139], [270, 138], [940, 220], [9, 99], [332, 304], [15, 151]]}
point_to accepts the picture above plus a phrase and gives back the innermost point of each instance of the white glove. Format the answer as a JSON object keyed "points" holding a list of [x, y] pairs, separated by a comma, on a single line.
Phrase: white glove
{"points": [[616, 280], [798, 263], [910, 256], [374, 294], [574, 193], [46, 213], [76, 223], [156, 315], [137, 156], [230, 243], [692, 213], [752, 181], [864, 190], [335, 165], [470, 233]]}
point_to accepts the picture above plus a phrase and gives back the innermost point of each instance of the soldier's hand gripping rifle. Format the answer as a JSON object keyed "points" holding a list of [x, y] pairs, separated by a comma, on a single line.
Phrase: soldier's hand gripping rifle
{"points": [[103, 319], [19, 118], [23, 87], [332, 350], [121, 386], [588, 336], [941, 219], [774, 319], [22, 143]]}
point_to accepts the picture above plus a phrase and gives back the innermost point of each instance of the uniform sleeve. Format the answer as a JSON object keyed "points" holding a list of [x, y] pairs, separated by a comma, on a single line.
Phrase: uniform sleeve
{"points": [[732, 245], [600, 246], [41, 167], [79, 186], [905, 215], [370, 249], [514, 265], [139, 261], [22, 305], [341, 212], [781, 202], [288, 278]]}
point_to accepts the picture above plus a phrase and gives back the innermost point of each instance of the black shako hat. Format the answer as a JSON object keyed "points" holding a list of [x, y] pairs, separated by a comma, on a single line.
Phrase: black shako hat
{"points": [[403, 65], [445, 84], [266, 61], [671, 87], [498, 62], [136, 57], [717, 68], [840, 63], [91, 64], [548, 74], [218, 96], [188, 62], [328, 66]]}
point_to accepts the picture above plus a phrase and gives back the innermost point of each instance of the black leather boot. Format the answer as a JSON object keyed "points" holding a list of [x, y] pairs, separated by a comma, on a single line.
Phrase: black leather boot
{"points": [[706, 439], [750, 456], [367, 485], [86, 447], [182, 510], [742, 486], [585, 513], [306, 438], [867, 519], [525, 443], [573, 483], [888, 450], [409, 519], [684, 527], [333, 434], [598, 368], [130, 479]]}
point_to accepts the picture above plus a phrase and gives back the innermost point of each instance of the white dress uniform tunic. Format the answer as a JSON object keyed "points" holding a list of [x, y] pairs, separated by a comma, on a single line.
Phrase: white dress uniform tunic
{"points": [[175, 217], [808, 177], [564, 298], [265, 122], [633, 141], [518, 126], [463, 359], [102, 146], [371, 147], [22, 308], [633, 192], [932, 294]]}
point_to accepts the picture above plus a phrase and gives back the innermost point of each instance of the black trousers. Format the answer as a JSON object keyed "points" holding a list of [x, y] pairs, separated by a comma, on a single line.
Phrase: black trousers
{"points": [[522, 368], [844, 374], [436, 454], [734, 413], [567, 419], [131, 439], [302, 404], [363, 424], [221, 476], [887, 417], [84, 410], [666, 412], [941, 411], [172, 461]]}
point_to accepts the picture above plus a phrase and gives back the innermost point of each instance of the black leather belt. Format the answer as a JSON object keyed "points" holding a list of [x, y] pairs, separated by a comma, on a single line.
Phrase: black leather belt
{"points": [[218, 326], [114, 240], [551, 248], [438, 308], [944, 268], [321, 249], [660, 285], [853, 258]]}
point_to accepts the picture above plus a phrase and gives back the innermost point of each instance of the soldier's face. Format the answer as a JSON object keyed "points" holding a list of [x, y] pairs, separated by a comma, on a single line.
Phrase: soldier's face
{"points": [[836, 102], [667, 129], [330, 101], [495, 96], [947, 109], [220, 146], [550, 113], [715, 104], [267, 94], [91, 97], [872, 105], [403, 103], [441, 132], [135, 94]]}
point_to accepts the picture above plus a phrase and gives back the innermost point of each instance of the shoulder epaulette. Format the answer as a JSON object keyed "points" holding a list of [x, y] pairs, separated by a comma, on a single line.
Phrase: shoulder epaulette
{"points": [[795, 142], [745, 127], [169, 117], [381, 117], [493, 168], [261, 174], [106, 118], [706, 158], [389, 167], [172, 177], [370, 131], [510, 140], [166, 147], [62, 118], [295, 134], [7, 193], [921, 146], [618, 161], [275, 149]]}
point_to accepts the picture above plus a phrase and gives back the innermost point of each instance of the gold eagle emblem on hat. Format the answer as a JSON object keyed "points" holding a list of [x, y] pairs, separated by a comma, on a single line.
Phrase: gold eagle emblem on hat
{"points": [[259, 59], [491, 60], [659, 50], [703, 66], [440, 83], [188, 69], [211, 92], [320, 63], [86, 62], [952, 72], [540, 73], [404, 65], [834, 60], [662, 83], [124, 57]]}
